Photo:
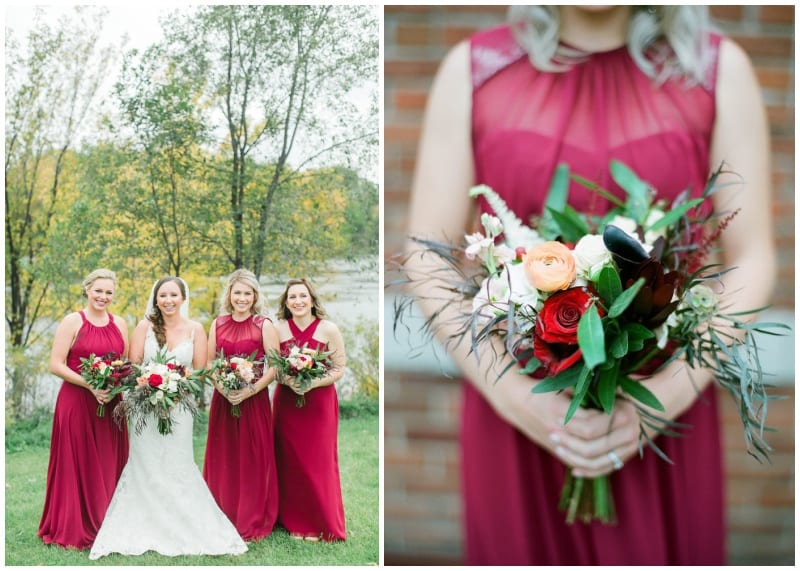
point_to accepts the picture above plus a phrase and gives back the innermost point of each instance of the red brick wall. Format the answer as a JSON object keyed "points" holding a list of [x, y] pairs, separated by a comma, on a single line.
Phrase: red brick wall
{"points": [[421, 501]]}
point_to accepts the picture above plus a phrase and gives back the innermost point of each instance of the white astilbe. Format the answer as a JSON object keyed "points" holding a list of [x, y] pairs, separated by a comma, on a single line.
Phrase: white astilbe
{"points": [[516, 233]]}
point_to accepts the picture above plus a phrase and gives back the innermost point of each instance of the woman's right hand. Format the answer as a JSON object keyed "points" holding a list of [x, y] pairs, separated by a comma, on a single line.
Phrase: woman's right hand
{"points": [[101, 395]]}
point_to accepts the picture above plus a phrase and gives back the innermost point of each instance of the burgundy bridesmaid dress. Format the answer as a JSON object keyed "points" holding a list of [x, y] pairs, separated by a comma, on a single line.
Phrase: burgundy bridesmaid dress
{"points": [[307, 455], [87, 452], [239, 465], [524, 123]]}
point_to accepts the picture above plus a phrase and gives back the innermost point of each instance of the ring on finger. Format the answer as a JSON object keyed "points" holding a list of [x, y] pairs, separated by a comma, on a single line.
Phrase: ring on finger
{"points": [[615, 460]]}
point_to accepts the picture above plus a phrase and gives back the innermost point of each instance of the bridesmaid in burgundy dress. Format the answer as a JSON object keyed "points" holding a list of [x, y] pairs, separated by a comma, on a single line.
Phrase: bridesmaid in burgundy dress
{"points": [[505, 110], [306, 448], [239, 463], [87, 452]]}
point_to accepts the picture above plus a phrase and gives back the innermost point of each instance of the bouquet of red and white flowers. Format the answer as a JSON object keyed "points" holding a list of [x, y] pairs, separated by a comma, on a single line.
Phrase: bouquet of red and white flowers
{"points": [[593, 304], [106, 372], [155, 389], [302, 363], [234, 373]]}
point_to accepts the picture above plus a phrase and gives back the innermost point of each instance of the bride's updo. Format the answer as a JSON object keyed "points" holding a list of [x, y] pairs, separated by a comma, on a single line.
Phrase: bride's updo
{"points": [[154, 316]]}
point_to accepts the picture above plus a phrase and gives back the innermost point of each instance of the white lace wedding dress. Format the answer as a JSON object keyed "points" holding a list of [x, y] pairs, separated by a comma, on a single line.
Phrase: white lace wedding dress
{"points": [[161, 502]]}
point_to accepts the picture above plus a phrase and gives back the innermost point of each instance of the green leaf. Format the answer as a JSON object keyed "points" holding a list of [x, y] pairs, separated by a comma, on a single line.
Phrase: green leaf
{"points": [[641, 393], [638, 331], [607, 388], [570, 224], [556, 201], [625, 299], [531, 366], [638, 202], [563, 380], [580, 393], [608, 284], [619, 346], [675, 214], [590, 337]]}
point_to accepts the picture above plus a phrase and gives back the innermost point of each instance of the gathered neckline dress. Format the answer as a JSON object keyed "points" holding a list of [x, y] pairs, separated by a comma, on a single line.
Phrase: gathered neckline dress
{"points": [[87, 452], [239, 464], [524, 123]]}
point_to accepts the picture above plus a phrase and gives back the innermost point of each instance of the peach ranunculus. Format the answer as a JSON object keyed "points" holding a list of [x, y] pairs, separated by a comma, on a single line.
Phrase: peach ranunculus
{"points": [[550, 266]]}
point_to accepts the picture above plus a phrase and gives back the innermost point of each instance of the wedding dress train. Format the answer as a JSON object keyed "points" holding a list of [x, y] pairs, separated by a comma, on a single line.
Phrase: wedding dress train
{"points": [[161, 502]]}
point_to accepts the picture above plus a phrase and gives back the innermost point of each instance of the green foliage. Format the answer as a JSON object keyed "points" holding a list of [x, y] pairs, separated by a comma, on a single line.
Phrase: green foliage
{"points": [[363, 358], [32, 432], [358, 406]]}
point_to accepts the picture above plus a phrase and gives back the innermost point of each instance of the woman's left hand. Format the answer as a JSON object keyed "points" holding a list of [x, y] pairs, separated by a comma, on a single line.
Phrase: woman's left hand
{"points": [[238, 396], [595, 444], [297, 386]]}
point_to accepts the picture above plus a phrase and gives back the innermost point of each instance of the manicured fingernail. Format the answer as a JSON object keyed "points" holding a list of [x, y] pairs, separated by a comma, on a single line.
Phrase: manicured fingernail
{"points": [[578, 473], [554, 437], [560, 451]]}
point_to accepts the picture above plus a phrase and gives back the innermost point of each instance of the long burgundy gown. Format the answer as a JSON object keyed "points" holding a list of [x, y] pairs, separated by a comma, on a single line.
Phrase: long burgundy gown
{"points": [[524, 123], [239, 465], [87, 452], [307, 454]]}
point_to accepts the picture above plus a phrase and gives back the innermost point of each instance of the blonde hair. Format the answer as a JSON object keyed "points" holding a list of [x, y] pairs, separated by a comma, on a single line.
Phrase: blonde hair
{"points": [[249, 279], [98, 274], [536, 28]]}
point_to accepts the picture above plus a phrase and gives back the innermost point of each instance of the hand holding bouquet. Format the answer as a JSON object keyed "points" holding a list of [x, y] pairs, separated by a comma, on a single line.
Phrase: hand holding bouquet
{"points": [[595, 304], [303, 364], [155, 389], [234, 373], [105, 373]]}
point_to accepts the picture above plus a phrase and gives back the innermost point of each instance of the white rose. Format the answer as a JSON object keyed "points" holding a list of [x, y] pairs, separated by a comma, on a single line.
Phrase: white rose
{"points": [[591, 255], [522, 291], [654, 216], [504, 254]]}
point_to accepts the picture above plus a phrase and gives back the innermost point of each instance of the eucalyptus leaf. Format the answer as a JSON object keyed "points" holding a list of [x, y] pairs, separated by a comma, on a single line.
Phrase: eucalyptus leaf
{"points": [[674, 215], [641, 393], [556, 201], [638, 202], [561, 381], [619, 345], [580, 393], [607, 388], [570, 224]]}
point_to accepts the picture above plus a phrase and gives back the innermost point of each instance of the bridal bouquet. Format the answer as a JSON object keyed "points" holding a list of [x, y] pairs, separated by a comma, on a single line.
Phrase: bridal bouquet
{"points": [[302, 363], [106, 372], [594, 304], [155, 389], [234, 373]]}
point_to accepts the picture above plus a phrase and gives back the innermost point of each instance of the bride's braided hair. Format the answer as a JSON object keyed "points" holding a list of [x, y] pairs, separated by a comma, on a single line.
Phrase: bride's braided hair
{"points": [[155, 317]]}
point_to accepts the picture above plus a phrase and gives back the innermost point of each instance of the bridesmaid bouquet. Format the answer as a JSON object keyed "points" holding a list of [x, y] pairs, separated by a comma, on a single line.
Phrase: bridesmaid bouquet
{"points": [[106, 372], [594, 304], [155, 389], [234, 373], [302, 363]]}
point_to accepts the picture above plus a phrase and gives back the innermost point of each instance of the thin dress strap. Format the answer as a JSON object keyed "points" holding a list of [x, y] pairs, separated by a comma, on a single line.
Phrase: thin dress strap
{"points": [[83, 315]]}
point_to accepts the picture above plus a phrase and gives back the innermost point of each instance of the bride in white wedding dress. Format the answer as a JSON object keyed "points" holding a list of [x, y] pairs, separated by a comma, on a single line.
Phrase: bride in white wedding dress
{"points": [[161, 502]]}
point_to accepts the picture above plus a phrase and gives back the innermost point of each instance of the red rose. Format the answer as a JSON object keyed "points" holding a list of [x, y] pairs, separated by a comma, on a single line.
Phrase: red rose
{"points": [[233, 366], [171, 366], [555, 339], [155, 380]]}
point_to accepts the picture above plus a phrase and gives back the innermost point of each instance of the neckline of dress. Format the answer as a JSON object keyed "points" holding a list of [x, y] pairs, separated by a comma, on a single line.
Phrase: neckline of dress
{"points": [[589, 53], [303, 329], [89, 321], [245, 320]]}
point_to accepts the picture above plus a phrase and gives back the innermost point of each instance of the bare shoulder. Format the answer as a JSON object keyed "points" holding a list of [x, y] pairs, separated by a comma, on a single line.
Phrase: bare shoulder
{"points": [[283, 329], [328, 328], [734, 65], [71, 322], [197, 327], [120, 322]]}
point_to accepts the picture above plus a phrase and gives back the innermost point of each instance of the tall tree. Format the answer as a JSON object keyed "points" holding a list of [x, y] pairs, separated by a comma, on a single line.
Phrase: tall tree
{"points": [[159, 108], [52, 78], [281, 83]]}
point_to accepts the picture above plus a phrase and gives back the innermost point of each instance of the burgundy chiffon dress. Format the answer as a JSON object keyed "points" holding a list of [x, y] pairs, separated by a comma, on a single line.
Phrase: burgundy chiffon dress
{"points": [[239, 465], [307, 454], [87, 452], [524, 123]]}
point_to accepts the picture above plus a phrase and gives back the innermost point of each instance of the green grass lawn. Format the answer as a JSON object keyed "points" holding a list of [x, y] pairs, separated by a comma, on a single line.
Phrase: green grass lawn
{"points": [[26, 472]]}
